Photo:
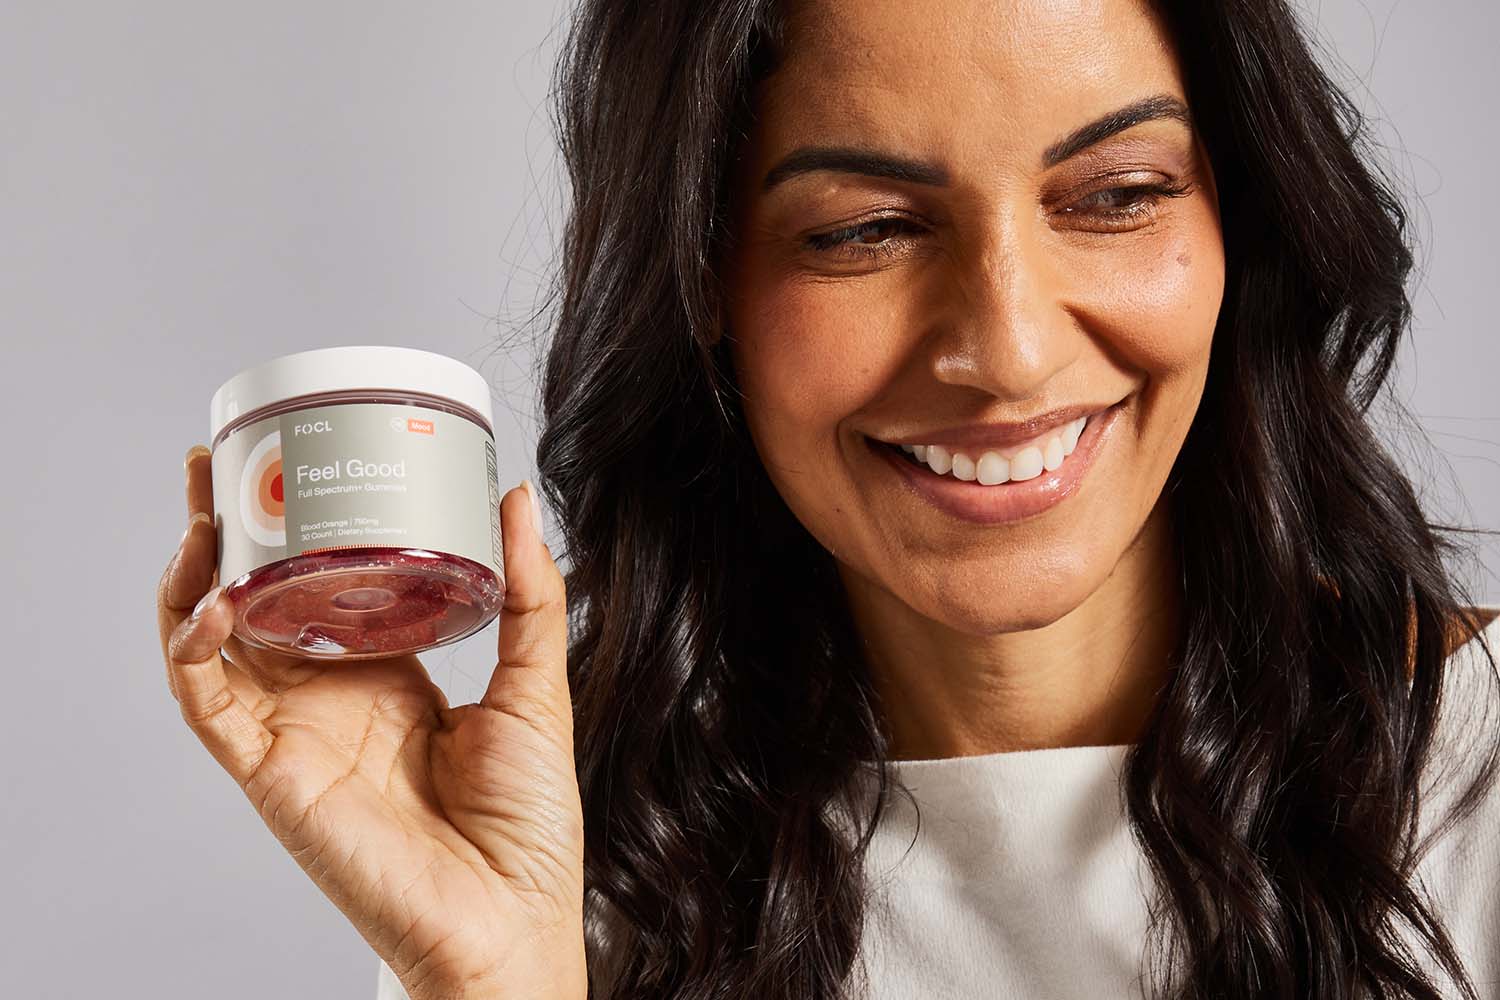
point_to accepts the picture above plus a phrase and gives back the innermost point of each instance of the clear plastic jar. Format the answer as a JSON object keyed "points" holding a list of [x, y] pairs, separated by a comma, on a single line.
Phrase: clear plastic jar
{"points": [[356, 503]]}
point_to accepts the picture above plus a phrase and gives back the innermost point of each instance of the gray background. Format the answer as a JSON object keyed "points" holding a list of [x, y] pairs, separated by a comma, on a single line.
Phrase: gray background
{"points": [[188, 189]]}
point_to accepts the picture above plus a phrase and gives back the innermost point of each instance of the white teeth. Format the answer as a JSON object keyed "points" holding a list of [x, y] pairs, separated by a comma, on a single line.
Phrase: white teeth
{"points": [[1027, 464], [1052, 454], [992, 469], [1070, 435]]}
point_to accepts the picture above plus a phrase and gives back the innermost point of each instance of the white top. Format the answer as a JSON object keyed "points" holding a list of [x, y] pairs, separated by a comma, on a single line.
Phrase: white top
{"points": [[1025, 881]]}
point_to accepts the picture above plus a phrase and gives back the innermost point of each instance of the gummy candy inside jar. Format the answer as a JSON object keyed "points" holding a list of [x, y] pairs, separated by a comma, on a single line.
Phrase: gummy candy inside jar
{"points": [[356, 502], [365, 602]]}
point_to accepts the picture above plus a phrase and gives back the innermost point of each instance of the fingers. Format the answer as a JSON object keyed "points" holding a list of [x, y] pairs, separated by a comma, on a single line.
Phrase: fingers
{"points": [[200, 490], [194, 619], [192, 573], [217, 715], [530, 678], [189, 575], [272, 669]]}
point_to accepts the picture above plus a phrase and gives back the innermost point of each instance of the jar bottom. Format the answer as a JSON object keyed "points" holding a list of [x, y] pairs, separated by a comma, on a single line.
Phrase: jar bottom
{"points": [[364, 603]]}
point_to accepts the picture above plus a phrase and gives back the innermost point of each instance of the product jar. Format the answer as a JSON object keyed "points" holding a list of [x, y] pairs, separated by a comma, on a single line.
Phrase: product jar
{"points": [[356, 503]]}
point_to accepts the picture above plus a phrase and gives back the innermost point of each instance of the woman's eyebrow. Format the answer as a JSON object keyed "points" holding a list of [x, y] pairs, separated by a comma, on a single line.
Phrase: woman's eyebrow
{"points": [[871, 163], [1154, 108]]}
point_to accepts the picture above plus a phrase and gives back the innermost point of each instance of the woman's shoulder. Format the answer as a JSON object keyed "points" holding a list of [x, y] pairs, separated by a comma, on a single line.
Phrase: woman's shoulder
{"points": [[1472, 648], [1467, 727], [1471, 675], [1459, 861]]}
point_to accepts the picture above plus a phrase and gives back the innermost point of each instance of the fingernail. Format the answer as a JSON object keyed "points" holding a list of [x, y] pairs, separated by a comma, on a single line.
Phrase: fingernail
{"points": [[196, 449], [205, 602], [536, 508]]}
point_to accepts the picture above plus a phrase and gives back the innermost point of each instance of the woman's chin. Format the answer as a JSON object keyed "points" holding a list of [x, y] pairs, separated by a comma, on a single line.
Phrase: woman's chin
{"points": [[978, 607]]}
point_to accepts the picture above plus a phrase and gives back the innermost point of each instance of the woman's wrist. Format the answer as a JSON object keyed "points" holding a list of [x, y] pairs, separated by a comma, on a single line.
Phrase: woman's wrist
{"points": [[555, 973], [506, 988]]}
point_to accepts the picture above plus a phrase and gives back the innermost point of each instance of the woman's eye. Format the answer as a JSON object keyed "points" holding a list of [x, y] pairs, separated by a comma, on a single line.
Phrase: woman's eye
{"points": [[1117, 207], [1127, 204], [873, 238]]}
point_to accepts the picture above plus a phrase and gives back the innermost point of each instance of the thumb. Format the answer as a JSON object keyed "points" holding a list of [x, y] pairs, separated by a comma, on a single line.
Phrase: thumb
{"points": [[531, 678]]}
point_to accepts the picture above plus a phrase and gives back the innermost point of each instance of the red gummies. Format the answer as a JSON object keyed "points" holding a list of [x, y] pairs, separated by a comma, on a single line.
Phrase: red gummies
{"points": [[364, 602]]}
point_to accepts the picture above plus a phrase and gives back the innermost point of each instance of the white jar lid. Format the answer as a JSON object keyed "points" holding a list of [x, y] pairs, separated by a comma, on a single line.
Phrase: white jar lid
{"points": [[333, 369]]}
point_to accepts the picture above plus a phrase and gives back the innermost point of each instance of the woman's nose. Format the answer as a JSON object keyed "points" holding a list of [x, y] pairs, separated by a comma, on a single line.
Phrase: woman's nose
{"points": [[1003, 325]]}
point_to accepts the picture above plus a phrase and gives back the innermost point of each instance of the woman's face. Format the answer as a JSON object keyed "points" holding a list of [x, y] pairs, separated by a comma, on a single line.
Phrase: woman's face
{"points": [[921, 256]]}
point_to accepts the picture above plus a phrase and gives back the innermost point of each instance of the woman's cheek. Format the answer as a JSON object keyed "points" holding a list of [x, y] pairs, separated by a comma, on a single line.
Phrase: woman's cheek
{"points": [[813, 352], [1157, 302]]}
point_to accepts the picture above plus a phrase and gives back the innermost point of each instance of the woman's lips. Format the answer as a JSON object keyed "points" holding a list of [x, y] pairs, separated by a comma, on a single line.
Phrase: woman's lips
{"points": [[1005, 502]]}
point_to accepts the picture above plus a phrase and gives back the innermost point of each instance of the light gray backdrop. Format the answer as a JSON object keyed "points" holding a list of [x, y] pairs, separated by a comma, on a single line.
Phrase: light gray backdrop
{"points": [[187, 189]]}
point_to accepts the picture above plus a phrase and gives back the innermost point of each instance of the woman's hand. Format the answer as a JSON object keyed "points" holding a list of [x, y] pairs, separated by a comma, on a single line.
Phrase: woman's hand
{"points": [[452, 838]]}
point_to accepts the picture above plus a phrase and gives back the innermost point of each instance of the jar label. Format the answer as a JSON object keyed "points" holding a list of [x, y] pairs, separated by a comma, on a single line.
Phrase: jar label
{"points": [[355, 475]]}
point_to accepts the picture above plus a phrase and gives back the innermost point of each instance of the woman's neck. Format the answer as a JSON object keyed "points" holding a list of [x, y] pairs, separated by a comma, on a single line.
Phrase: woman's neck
{"points": [[1090, 677]]}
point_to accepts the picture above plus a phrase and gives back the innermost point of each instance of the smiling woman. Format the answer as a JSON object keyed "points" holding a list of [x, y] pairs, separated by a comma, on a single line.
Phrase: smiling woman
{"points": [[1018, 296], [971, 397], [939, 384], [813, 176]]}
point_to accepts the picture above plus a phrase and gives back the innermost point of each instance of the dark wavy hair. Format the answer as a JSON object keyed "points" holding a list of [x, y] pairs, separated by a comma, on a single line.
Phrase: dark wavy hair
{"points": [[723, 706]]}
